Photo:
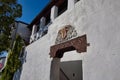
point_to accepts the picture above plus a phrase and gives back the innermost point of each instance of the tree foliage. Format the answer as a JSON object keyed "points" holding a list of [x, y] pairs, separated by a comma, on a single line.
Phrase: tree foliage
{"points": [[13, 62], [10, 10]]}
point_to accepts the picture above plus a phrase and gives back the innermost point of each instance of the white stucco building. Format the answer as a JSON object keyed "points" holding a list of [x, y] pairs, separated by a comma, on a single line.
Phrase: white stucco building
{"points": [[21, 29], [85, 31]]}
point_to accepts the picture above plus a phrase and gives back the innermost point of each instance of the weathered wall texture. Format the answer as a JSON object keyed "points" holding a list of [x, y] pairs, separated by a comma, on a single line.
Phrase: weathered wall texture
{"points": [[100, 20]]}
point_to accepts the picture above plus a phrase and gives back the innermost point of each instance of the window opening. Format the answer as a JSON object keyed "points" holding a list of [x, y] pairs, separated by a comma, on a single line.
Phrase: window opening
{"points": [[47, 19], [63, 7]]}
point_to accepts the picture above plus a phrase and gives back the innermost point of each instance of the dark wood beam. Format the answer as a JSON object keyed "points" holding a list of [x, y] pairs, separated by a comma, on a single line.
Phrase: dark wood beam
{"points": [[79, 44]]}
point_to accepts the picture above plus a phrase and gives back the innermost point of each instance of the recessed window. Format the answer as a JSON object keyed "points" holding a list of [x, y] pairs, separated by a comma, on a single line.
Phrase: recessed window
{"points": [[47, 19], [63, 7]]}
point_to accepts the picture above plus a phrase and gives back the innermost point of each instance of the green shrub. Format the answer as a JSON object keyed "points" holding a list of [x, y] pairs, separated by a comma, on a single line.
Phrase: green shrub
{"points": [[13, 62]]}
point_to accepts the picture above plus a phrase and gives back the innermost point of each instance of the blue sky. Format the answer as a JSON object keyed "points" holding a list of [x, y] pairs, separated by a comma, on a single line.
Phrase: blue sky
{"points": [[31, 8]]}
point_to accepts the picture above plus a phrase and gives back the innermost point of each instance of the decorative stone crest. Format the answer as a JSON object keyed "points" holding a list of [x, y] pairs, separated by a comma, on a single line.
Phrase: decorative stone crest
{"points": [[67, 40], [65, 34]]}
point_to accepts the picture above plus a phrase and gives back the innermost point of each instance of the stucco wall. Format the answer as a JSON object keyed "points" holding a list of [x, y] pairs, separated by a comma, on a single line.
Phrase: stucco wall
{"points": [[100, 20]]}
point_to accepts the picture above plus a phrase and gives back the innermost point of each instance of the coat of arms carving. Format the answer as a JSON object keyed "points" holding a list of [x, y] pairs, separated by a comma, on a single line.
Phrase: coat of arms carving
{"points": [[66, 33]]}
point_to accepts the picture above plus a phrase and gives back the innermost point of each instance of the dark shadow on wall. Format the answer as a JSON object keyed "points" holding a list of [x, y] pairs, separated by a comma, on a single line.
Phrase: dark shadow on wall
{"points": [[72, 70], [68, 70]]}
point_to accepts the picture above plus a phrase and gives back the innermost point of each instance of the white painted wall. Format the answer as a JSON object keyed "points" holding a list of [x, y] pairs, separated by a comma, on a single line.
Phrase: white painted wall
{"points": [[38, 62], [100, 20]]}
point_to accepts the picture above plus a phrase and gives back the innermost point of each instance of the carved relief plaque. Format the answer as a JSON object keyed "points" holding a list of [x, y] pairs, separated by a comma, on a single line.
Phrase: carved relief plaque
{"points": [[67, 40], [65, 34]]}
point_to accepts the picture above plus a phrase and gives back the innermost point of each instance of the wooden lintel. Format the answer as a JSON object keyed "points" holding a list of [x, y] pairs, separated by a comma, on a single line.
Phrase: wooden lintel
{"points": [[79, 44]]}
